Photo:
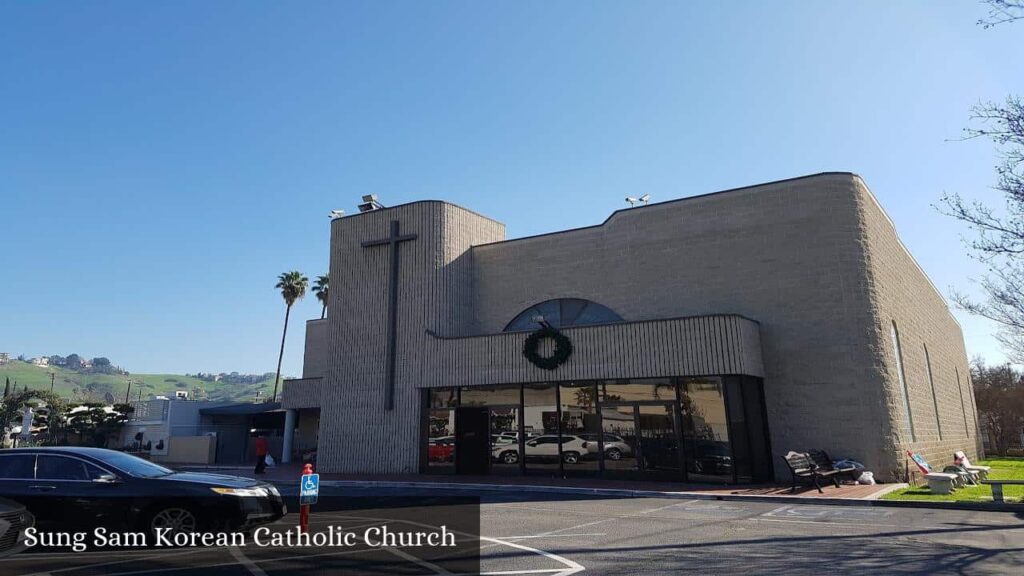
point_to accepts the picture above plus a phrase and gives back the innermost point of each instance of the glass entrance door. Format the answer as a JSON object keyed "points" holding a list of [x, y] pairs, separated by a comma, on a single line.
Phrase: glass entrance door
{"points": [[642, 440], [471, 441], [658, 429]]}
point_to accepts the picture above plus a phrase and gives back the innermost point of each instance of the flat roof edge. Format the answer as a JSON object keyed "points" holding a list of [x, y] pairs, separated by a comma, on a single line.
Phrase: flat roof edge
{"points": [[602, 325], [620, 211], [413, 203]]}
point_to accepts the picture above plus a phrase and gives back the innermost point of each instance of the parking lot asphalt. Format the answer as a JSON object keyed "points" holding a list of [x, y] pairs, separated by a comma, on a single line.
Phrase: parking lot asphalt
{"points": [[523, 533]]}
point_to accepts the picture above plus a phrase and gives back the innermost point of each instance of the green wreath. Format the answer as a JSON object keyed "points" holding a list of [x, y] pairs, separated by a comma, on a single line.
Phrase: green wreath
{"points": [[531, 347]]}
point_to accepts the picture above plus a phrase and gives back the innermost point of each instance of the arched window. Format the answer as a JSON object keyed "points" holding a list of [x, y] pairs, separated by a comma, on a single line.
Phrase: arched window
{"points": [[563, 313]]}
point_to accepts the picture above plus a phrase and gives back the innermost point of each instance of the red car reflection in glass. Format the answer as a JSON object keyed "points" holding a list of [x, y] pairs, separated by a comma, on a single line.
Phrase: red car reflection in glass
{"points": [[441, 449]]}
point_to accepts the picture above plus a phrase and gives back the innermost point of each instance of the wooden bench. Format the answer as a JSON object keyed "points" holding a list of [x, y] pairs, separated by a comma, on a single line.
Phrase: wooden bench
{"points": [[997, 487], [825, 464], [802, 466]]}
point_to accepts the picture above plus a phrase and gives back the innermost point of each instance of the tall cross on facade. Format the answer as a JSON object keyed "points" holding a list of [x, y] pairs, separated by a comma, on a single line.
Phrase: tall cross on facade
{"points": [[392, 242]]}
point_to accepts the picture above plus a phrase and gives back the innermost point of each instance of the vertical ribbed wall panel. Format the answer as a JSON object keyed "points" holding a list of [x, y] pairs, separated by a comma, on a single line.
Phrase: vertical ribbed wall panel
{"points": [[695, 346], [435, 292]]}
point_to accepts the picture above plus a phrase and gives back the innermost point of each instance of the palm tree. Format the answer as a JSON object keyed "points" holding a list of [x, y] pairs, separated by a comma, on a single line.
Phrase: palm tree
{"points": [[293, 287], [320, 288]]}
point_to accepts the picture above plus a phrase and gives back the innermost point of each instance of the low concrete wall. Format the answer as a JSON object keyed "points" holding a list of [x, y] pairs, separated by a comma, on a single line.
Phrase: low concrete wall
{"points": [[190, 450]]}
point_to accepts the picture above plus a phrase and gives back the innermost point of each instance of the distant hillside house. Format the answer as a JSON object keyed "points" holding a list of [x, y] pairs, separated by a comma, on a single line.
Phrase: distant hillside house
{"points": [[41, 361], [4, 358]]}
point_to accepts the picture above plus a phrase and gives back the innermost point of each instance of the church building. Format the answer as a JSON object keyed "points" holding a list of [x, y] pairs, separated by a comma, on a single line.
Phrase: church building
{"points": [[693, 340]]}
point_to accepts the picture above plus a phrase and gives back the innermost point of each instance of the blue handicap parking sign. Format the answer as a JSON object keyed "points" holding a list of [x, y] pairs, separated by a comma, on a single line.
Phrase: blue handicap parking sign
{"points": [[309, 489]]}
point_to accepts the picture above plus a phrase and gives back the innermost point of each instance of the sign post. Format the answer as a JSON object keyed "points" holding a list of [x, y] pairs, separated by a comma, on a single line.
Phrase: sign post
{"points": [[309, 490]]}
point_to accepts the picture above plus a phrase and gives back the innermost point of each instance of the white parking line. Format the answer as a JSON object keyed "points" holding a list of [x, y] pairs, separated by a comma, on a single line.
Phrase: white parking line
{"points": [[570, 566], [253, 569], [421, 562], [552, 536], [514, 572], [684, 502]]}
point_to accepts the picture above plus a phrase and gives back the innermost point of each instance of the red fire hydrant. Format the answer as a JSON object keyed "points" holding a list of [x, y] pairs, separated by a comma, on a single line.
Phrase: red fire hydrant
{"points": [[304, 508]]}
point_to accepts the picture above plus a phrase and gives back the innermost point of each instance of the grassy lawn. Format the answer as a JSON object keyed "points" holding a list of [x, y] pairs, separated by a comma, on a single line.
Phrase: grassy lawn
{"points": [[1005, 468]]}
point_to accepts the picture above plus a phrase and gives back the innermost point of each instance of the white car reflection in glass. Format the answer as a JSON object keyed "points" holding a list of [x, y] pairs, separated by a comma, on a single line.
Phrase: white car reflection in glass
{"points": [[574, 449], [615, 448]]}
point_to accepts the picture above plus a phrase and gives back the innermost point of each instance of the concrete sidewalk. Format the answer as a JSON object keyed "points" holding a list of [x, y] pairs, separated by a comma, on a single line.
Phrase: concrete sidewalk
{"points": [[288, 474]]}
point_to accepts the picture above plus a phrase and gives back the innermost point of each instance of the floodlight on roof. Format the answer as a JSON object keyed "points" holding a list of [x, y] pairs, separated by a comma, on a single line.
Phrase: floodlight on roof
{"points": [[641, 200], [370, 203]]}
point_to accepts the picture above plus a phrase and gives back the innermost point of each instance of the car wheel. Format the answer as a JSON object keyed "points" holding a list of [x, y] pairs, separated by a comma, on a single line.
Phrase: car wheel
{"points": [[173, 519], [613, 454], [509, 457], [571, 457]]}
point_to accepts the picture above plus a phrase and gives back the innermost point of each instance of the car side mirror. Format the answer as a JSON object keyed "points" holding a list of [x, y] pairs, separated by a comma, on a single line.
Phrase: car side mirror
{"points": [[107, 479], [531, 443]]}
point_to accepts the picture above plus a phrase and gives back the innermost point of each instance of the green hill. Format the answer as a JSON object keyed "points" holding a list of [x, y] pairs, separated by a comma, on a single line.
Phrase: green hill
{"points": [[81, 386]]}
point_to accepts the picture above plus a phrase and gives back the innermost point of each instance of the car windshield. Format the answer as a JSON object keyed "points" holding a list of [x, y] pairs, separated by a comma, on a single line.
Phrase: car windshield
{"points": [[134, 465]]}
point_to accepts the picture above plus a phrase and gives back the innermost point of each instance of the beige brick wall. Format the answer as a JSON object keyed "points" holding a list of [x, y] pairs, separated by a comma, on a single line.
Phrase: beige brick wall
{"points": [[902, 293], [315, 358], [788, 254], [813, 260]]}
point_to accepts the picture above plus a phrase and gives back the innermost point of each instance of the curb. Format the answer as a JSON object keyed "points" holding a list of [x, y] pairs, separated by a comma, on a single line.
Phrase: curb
{"points": [[624, 493]]}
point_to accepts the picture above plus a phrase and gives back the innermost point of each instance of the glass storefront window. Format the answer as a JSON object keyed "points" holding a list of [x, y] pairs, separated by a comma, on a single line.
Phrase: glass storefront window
{"points": [[490, 396], [621, 443], [444, 398], [504, 429], [700, 429], [441, 429], [756, 428], [540, 426], [638, 390], [581, 428], [738, 429], [706, 430]]}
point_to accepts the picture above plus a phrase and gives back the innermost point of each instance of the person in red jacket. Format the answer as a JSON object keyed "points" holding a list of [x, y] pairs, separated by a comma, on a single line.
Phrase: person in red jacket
{"points": [[261, 454]]}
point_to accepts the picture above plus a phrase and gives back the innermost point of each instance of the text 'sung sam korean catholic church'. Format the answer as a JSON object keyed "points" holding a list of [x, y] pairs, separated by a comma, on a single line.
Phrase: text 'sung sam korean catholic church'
{"points": [[696, 340]]}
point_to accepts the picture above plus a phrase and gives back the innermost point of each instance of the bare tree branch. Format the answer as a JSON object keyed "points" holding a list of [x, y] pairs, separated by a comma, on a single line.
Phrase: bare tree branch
{"points": [[998, 236], [1002, 12]]}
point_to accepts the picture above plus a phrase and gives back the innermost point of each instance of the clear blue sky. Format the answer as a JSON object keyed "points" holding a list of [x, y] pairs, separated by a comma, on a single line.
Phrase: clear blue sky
{"points": [[161, 163]]}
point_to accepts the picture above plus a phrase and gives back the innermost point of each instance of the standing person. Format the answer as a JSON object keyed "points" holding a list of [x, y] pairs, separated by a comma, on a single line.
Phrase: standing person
{"points": [[261, 454]]}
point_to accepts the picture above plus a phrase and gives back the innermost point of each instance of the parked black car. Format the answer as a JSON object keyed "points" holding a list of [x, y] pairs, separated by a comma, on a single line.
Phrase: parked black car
{"points": [[73, 487], [14, 520]]}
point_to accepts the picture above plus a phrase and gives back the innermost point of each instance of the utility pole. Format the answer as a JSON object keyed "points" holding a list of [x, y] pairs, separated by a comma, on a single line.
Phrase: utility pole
{"points": [[51, 381], [129, 391]]}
